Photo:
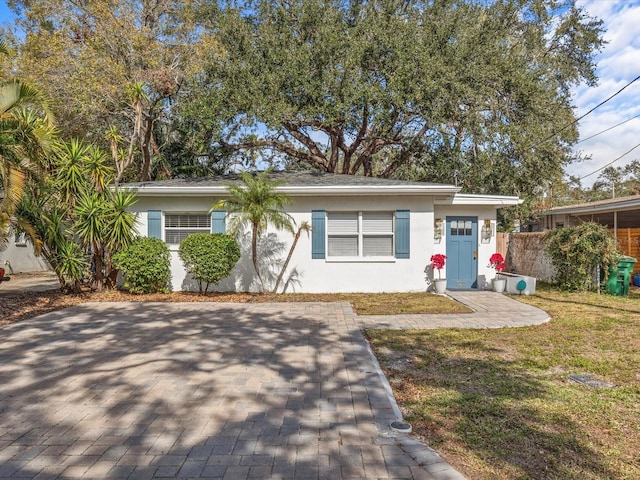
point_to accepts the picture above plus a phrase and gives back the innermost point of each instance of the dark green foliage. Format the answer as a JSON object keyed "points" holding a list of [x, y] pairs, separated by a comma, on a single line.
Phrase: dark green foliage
{"points": [[145, 265], [72, 205], [577, 251], [70, 264], [209, 257], [466, 92]]}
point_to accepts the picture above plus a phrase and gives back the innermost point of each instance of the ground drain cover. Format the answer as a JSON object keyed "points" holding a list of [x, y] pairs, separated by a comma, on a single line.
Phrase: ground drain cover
{"points": [[401, 427], [590, 381]]}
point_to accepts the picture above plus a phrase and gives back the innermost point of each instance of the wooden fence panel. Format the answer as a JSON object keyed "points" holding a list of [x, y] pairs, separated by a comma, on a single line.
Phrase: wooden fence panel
{"points": [[629, 244], [502, 243]]}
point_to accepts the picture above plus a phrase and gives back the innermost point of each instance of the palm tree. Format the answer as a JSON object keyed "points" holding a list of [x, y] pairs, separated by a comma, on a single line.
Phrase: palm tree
{"points": [[71, 174], [43, 209], [257, 204], [120, 229], [26, 136], [141, 134], [102, 222], [80, 220], [98, 169], [4, 48], [115, 139]]}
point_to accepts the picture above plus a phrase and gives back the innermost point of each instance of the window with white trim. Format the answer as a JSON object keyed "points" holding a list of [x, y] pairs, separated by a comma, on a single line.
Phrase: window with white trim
{"points": [[178, 225], [360, 234]]}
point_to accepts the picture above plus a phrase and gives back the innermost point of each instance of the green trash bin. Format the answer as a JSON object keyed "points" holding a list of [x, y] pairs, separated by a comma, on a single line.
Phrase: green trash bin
{"points": [[625, 265], [620, 276]]}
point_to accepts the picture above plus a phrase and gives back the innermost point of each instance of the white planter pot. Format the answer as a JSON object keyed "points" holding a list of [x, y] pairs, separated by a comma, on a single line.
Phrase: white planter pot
{"points": [[499, 284], [440, 285]]}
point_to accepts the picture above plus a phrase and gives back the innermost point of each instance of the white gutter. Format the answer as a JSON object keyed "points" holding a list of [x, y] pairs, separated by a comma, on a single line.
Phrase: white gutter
{"points": [[470, 199]]}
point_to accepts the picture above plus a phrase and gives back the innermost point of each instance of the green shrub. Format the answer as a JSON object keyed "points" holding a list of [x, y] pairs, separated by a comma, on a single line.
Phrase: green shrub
{"points": [[209, 257], [145, 265], [577, 251]]}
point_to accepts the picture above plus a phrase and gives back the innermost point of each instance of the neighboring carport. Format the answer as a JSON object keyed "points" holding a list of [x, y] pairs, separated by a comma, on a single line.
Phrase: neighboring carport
{"points": [[620, 215]]}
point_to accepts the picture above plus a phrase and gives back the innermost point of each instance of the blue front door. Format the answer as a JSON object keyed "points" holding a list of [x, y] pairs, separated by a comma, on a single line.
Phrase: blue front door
{"points": [[462, 252]]}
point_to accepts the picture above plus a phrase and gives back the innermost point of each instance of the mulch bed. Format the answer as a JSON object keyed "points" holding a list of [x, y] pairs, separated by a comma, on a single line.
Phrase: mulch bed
{"points": [[20, 306]]}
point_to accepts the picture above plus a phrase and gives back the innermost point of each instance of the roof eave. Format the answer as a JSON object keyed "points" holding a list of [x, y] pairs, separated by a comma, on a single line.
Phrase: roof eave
{"points": [[470, 199], [589, 209]]}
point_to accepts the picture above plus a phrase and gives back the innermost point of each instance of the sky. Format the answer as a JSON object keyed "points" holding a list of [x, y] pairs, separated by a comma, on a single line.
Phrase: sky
{"points": [[618, 64]]}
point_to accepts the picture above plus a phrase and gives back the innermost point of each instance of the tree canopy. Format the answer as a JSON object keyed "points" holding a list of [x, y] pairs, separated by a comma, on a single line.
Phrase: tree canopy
{"points": [[114, 71], [468, 92], [473, 93]]}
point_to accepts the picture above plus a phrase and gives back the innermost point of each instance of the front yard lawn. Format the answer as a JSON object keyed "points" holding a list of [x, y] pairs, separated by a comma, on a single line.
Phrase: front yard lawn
{"points": [[498, 403]]}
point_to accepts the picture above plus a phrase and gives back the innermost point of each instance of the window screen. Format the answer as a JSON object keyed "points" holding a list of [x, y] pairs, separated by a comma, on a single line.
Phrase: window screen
{"points": [[178, 225], [360, 234]]}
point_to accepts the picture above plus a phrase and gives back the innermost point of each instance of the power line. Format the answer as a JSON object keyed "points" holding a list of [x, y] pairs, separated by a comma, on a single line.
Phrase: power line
{"points": [[606, 130], [588, 113], [611, 162]]}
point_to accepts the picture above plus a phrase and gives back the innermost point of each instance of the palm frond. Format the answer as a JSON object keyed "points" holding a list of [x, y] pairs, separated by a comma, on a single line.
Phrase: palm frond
{"points": [[13, 186], [5, 49]]}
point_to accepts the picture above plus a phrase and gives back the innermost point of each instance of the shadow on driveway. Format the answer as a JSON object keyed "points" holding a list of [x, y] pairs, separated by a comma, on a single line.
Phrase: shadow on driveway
{"points": [[131, 390]]}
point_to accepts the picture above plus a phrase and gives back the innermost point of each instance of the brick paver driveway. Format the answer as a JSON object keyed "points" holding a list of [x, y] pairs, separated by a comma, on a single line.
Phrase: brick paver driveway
{"points": [[198, 390]]}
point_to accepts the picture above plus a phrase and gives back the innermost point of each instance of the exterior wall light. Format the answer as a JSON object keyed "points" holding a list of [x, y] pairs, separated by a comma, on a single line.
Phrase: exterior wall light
{"points": [[438, 230], [486, 232]]}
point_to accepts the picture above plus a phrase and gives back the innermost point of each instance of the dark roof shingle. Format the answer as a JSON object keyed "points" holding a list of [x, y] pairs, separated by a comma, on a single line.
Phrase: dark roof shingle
{"points": [[316, 179]]}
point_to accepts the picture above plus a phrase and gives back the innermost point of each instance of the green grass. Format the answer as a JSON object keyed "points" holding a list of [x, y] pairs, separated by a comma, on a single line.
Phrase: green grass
{"points": [[498, 404], [382, 303]]}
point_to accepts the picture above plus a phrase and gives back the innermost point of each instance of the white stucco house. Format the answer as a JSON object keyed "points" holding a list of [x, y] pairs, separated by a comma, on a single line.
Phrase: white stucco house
{"points": [[368, 234], [19, 256]]}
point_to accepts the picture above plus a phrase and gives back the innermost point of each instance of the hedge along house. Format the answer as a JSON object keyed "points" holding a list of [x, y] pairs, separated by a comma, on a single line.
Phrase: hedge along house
{"points": [[368, 234]]}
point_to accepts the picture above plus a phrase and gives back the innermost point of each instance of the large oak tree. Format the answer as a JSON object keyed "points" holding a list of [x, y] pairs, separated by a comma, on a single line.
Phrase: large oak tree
{"points": [[475, 93]]}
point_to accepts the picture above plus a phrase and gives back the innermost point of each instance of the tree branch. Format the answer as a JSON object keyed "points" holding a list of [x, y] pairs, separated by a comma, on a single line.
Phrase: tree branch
{"points": [[305, 140], [404, 154], [283, 147]]}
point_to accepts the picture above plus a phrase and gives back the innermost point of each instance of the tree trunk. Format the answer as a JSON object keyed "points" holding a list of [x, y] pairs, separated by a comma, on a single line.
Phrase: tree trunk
{"points": [[110, 274], [97, 276], [254, 253], [145, 149], [286, 262]]}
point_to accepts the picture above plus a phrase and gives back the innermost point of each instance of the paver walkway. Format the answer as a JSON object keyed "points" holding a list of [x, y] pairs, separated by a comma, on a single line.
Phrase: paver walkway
{"points": [[32, 282], [491, 310], [202, 390]]}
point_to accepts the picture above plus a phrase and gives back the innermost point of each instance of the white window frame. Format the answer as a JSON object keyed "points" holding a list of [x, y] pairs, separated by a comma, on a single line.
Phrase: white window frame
{"points": [[361, 235], [181, 229]]}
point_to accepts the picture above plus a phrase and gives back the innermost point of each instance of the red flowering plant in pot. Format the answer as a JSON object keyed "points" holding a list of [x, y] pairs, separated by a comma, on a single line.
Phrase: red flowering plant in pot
{"points": [[437, 263], [497, 262]]}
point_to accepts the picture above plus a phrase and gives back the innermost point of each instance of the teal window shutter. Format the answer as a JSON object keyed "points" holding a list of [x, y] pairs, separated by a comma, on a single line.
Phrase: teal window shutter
{"points": [[403, 228], [317, 234], [154, 224], [218, 224]]}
